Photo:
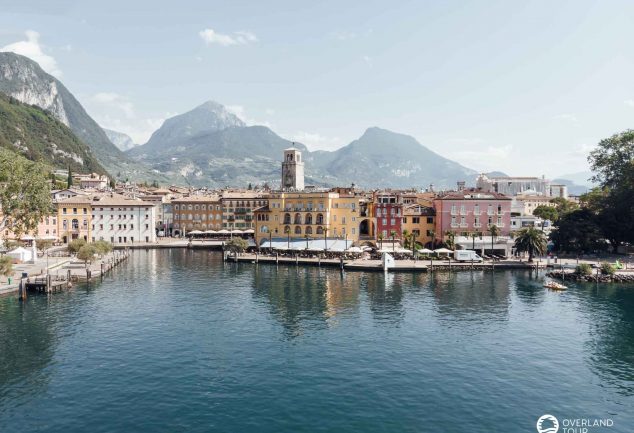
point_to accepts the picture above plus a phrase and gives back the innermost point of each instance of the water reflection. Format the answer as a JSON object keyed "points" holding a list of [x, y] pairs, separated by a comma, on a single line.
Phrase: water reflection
{"points": [[27, 345], [611, 343]]}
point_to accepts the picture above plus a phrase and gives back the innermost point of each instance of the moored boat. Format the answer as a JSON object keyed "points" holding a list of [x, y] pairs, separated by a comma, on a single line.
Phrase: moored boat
{"points": [[552, 285]]}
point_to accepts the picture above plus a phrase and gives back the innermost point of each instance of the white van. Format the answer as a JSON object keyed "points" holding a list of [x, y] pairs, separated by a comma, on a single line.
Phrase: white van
{"points": [[466, 256]]}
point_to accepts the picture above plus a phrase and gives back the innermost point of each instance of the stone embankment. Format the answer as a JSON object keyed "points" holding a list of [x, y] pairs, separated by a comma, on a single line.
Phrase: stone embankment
{"points": [[571, 276]]}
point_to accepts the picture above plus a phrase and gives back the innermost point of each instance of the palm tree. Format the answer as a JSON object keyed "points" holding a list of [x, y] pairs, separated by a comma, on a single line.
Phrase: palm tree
{"points": [[532, 241], [393, 236], [405, 238], [381, 240], [451, 236], [495, 232]]}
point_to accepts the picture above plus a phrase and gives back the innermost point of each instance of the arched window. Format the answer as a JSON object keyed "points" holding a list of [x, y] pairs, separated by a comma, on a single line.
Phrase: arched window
{"points": [[320, 230], [287, 218], [75, 224], [298, 218], [298, 230], [264, 229], [309, 230], [320, 218], [287, 229], [309, 218]]}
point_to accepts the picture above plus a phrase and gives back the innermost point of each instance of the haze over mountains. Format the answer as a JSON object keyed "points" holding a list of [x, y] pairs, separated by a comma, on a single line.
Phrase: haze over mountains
{"points": [[210, 146]]}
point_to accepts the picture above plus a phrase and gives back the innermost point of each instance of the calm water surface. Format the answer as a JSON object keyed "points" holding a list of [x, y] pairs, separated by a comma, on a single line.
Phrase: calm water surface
{"points": [[176, 341]]}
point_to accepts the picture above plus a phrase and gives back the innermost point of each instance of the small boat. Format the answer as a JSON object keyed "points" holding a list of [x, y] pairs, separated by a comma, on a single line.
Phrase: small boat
{"points": [[552, 285]]}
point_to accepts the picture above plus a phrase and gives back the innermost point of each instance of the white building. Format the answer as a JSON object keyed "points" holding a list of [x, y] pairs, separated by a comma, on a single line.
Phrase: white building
{"points": [[122, 220], [513, 186]]}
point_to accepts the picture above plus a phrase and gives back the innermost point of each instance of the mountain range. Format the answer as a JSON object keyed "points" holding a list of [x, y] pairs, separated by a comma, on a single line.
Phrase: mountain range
{"points": [[211, 146], [39, 136], [24, 80], [122, 141]]}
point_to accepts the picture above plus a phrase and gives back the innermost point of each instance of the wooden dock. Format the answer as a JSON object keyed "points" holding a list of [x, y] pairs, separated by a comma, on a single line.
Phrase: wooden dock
{"points": [[46, 284]]}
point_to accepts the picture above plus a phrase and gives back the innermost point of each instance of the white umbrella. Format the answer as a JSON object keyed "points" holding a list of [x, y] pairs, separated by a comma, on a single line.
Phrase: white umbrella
{"points": [[425, 251], [443, 251], [27, 238], [366, 248], [209, 232], [195, 232], [249, 231], [236, 231], [223, 231], [354, 250], [48, 238]]}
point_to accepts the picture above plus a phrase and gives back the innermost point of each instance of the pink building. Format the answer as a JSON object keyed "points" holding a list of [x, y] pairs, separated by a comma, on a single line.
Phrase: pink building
{"points": [[470, 211], [47, 228]]}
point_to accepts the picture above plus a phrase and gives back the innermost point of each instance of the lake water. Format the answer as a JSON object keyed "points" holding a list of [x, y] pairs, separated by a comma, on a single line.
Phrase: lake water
{"points": [[178, 341]]}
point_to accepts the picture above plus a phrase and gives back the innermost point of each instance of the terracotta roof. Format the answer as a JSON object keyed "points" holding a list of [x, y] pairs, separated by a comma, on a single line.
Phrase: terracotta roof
{"points": [[197, 199], [472, 194]]}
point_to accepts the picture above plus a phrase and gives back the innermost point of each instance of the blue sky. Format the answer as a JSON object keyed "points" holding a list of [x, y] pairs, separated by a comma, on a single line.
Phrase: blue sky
{"points": [[523, 87]]}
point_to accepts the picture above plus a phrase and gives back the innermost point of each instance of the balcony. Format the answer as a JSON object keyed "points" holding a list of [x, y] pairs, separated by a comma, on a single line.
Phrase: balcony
{"points": [[477, 225], [464, 225], [455, 225]]}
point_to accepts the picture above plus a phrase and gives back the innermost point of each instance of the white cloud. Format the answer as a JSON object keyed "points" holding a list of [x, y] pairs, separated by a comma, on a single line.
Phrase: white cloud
{"points": [[316, 141], [269, 111], [367, 60], [567, 117], [629, 102], [210, 37], [115, 101], [32, 49]]}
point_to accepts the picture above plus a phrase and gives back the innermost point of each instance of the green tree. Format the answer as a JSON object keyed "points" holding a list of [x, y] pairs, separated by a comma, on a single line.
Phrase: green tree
{"points": [[25, 193], [69, 179], [530, 240], [612, 162], [405, 236], [236, 245], [87, 253], [75, 245], [578, 232], [103, 247], [546, 213], [563, 206]]}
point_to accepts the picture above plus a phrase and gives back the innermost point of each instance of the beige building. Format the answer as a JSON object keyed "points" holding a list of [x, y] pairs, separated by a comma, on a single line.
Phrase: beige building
{"points": [[202, 213], [74, 218]]}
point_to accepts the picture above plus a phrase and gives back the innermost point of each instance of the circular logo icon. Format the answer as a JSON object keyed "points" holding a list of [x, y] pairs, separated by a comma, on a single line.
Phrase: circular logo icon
{"points": [[547, 424]]}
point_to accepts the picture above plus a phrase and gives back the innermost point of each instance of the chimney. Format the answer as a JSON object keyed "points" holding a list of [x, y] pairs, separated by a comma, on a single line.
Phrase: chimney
{"points": [[461, 185]]}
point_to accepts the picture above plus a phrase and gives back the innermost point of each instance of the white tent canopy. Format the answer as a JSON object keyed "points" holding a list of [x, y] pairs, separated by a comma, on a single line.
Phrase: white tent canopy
{"points": [[425, 251], [443, 251], [195, 232], [21, 254]]}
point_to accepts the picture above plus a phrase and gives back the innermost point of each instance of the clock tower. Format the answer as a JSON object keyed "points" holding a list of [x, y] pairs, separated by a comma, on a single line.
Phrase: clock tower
{"points": [[292, 170]]}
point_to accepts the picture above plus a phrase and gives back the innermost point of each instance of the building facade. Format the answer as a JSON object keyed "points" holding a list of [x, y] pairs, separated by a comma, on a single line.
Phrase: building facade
{"points": [[197, 213], [308, 215], [74, 218], [122, 220], [466, 212]]}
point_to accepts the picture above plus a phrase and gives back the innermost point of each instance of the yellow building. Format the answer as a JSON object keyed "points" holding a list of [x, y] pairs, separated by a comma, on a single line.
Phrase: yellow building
{"points": [[309, 215], [419, 220], [74, 218]]}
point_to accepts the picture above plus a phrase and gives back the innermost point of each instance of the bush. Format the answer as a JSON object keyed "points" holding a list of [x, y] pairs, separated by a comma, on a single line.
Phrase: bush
{"points": [[6, 266], [583, 269], [43, 244], [607, 268], [75, 245]]}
